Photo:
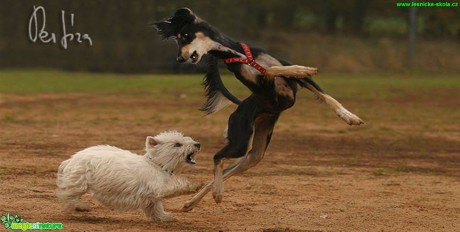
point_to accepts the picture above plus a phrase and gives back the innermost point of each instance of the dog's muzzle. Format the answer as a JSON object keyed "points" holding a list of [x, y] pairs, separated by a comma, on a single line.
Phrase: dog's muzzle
{"points": [[180, 59], [190, 158], [193, 58]]}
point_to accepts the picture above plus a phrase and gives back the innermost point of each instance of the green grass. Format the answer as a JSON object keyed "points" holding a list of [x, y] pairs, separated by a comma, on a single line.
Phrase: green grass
{"points": [[8, 118], [350, 85], [31, 82], [383, 171]]}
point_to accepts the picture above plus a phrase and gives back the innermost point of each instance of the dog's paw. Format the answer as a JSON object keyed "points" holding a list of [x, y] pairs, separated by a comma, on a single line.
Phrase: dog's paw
{"points": [[167, 217], [349, 117], [188, 206], [81, 207], [217, 198], [217, 191], [311, 71], [217, 195]]}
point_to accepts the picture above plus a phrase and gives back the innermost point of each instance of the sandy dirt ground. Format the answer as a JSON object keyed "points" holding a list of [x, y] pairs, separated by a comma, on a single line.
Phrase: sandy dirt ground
{"points": [[399, 172]]}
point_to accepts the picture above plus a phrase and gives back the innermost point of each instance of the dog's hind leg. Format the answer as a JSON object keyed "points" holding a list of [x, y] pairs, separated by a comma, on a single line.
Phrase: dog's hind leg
{"points": [[342, 112], [71, 185], [189, 205], [69, 197], [218, 186], [239, 166], [239, 136], [262, 135]]}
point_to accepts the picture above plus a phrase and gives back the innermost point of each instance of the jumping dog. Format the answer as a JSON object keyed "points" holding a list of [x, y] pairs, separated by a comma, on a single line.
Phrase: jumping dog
{"points": [[273, 83]]}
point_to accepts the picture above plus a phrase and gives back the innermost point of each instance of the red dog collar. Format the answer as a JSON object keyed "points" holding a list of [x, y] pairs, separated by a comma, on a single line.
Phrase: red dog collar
{"points": [[249, 61]]}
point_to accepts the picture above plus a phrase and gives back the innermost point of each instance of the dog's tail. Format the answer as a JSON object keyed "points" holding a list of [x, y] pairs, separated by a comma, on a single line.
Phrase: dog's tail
{"points": [[61, 181], [218, 96], [309, 84], [343, 113], [60, 174], [71, 178]]}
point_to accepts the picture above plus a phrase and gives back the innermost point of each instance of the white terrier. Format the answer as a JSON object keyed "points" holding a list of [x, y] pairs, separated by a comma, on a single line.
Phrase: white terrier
{"points": [[123, 180]]}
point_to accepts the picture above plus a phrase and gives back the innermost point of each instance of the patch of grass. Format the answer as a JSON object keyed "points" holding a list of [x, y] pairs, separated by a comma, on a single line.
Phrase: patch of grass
{"points": [[9, 118], [407, 169], [97, 121], [410, 169], [40, 81], [382, 172], [362, 85], [338, 172], [34, 182]]}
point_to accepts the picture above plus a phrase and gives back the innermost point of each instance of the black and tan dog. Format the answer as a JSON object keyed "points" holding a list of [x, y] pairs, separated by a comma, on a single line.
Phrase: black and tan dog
{"points": [[273, 83]]}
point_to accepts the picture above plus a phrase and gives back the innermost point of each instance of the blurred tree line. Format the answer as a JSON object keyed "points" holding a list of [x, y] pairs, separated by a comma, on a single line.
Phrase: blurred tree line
{"points": [[123, 40]]}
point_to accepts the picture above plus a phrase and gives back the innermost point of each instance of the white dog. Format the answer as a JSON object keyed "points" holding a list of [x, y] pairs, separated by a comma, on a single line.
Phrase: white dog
{"points": [[122, 180]]}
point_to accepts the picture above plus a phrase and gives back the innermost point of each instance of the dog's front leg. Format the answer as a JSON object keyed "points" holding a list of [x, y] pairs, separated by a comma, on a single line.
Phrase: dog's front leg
{"points": [[155, 211], [295, 71], [179, 186]]}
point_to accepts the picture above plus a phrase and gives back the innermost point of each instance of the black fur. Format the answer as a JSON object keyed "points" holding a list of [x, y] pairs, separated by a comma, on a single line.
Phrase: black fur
{"points": [[170, 27], [213, 85]]}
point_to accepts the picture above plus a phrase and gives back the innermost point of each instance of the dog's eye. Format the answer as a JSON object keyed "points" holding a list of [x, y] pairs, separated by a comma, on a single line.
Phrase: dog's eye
{"points": [[185, 36], [177, 145]]}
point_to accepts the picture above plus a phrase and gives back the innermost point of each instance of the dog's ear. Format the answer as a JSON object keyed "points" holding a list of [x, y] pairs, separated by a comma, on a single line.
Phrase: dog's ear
{"points": [[165, 29], [150, 142], [170, 27], [184, 12]]}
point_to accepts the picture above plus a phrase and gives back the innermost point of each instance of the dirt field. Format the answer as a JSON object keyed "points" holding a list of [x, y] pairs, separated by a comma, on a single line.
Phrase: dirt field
{"points": [[399, 172]]}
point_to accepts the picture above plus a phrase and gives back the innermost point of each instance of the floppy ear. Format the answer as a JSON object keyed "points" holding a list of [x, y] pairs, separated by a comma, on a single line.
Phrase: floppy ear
{"points": [[170, 27], [165, 29], [150, 142]]}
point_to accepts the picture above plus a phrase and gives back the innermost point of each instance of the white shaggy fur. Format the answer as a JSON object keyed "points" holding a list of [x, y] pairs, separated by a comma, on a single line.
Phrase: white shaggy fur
{"points": [[123, 180]]}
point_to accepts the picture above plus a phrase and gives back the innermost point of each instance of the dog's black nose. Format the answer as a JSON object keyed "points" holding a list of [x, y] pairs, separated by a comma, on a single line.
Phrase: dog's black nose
{"points": [[180, 59], [197, 145]]}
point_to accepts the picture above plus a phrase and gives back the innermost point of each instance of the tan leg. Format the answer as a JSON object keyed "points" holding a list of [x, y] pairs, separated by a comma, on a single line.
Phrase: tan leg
{"points": [[238, 167], [342, 112], [218, 186], [295, 71], [189, 205]]}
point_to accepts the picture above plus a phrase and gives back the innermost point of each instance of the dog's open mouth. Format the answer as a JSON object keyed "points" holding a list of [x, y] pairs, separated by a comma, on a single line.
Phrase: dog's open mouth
{"points": [[190, 159], [194, 57]]}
